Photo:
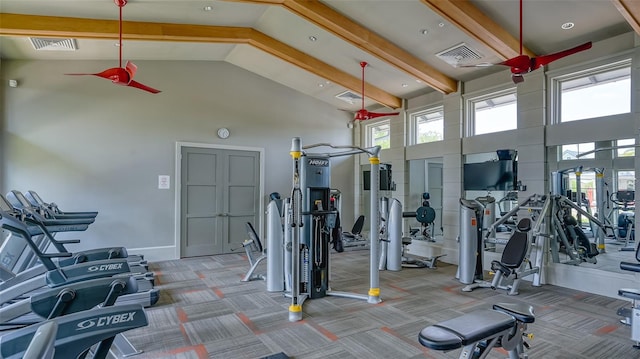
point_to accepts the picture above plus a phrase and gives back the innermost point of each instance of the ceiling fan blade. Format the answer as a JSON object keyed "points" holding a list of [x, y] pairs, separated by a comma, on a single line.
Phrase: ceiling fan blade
{"points": [[131, 69], [115, 74], [140, 86], [363, 115], [378, 114], [482, 64], [520, 63], [545, 59]]}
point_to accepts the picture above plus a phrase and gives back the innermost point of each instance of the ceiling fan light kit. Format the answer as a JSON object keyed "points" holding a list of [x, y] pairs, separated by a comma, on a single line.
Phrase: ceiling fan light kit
{"points": [[122, 75]]}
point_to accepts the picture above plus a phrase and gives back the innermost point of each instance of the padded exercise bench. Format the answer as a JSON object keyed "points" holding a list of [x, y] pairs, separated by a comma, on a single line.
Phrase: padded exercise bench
{"points": [[480, 331]]}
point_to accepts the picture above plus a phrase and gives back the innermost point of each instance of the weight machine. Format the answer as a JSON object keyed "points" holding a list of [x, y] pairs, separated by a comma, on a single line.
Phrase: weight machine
{"points": [[560, 186], [515, 263], [308, 224]]}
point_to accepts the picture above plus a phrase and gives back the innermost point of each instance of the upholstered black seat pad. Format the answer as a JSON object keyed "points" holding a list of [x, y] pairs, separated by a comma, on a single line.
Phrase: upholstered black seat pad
{"points": [[634, 267], [629, 293], [464, 330]]}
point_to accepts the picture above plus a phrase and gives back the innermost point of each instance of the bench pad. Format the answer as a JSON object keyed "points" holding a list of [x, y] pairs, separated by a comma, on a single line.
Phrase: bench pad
{"points": [[629, 293], [436, 338], [633, 267], [469, 328]]}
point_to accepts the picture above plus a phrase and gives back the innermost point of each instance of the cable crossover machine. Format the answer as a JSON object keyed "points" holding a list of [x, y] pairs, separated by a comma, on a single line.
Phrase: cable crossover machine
{"points": [[298, 236]]}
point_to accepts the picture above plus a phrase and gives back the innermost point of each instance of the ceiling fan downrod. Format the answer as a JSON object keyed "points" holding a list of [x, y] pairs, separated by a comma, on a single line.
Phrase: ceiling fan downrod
{"points": [[120, 4]]}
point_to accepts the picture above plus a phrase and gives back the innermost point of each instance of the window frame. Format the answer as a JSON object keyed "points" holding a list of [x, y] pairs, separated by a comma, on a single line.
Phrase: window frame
{"points": [[585, 70], [617, 178], [633, 145], [413, 122], [470, 125], [588, 157], [368, 128]]}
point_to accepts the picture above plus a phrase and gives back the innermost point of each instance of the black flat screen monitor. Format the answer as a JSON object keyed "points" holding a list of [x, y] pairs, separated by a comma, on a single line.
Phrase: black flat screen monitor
{"points": [[490, 176]]}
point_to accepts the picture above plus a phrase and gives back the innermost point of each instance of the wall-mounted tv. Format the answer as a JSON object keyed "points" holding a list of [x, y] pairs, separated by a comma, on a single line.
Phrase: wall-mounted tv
{"points": [[490, 176]]}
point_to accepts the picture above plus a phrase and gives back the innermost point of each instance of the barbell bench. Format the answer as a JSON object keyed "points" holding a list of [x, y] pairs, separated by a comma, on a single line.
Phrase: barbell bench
{"points": [[480, 331]]}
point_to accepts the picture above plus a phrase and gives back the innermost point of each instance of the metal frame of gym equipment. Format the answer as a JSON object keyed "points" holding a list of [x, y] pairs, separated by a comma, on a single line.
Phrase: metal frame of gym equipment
{"points": [[425, 216], [252, 246], [315, 270], [557, 187], [390, 234], [470, 270], [626, 215], [562, 203], [353, 238], [392, 252]]}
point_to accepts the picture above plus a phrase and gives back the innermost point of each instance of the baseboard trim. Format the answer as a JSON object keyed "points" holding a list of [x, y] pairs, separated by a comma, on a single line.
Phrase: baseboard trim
{"points": [[154, 254]]}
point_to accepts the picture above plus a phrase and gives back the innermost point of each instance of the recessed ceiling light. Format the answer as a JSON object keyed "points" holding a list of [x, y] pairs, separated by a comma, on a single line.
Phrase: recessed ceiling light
{"points": [[313, 38], [424, 32], [441, 24], [405, 85], [418, 81], [567, 25], [320, 85], [208, 8], [117, 44]]}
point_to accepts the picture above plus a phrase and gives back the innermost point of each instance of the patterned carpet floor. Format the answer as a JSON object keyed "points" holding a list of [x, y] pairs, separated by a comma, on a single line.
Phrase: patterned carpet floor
{"points": [[205, 311]]}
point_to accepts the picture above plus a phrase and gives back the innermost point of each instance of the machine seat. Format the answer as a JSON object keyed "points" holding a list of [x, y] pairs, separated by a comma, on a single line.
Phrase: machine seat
{"points": [[356, 230], [465, 330], [515, 250]]}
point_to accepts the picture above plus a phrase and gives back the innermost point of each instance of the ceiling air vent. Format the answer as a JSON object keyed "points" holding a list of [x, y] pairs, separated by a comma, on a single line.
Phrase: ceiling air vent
{"points": [[46, 44], [460, 54], [349, 97]]}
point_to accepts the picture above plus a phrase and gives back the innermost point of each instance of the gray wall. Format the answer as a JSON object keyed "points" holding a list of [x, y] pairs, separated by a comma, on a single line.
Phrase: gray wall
{"points": [[88, 144]]}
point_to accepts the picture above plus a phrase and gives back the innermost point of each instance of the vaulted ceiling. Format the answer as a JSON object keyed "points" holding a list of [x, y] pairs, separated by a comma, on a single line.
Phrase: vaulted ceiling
{"points": [[316, 47]]}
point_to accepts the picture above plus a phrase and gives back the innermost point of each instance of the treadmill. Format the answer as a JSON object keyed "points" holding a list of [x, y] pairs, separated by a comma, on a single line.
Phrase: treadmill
{"points": [[21, 203], [49, 274]]}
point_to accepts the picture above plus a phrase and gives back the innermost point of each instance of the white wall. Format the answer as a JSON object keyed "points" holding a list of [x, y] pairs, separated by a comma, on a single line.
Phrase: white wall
{"points": [[88, 144]]}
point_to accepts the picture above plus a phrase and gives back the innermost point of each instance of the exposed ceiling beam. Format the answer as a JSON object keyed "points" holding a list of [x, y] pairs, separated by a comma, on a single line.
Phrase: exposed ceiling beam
{"points": [[365, 39], [50, 26], [630, 10], [476, 24]]}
